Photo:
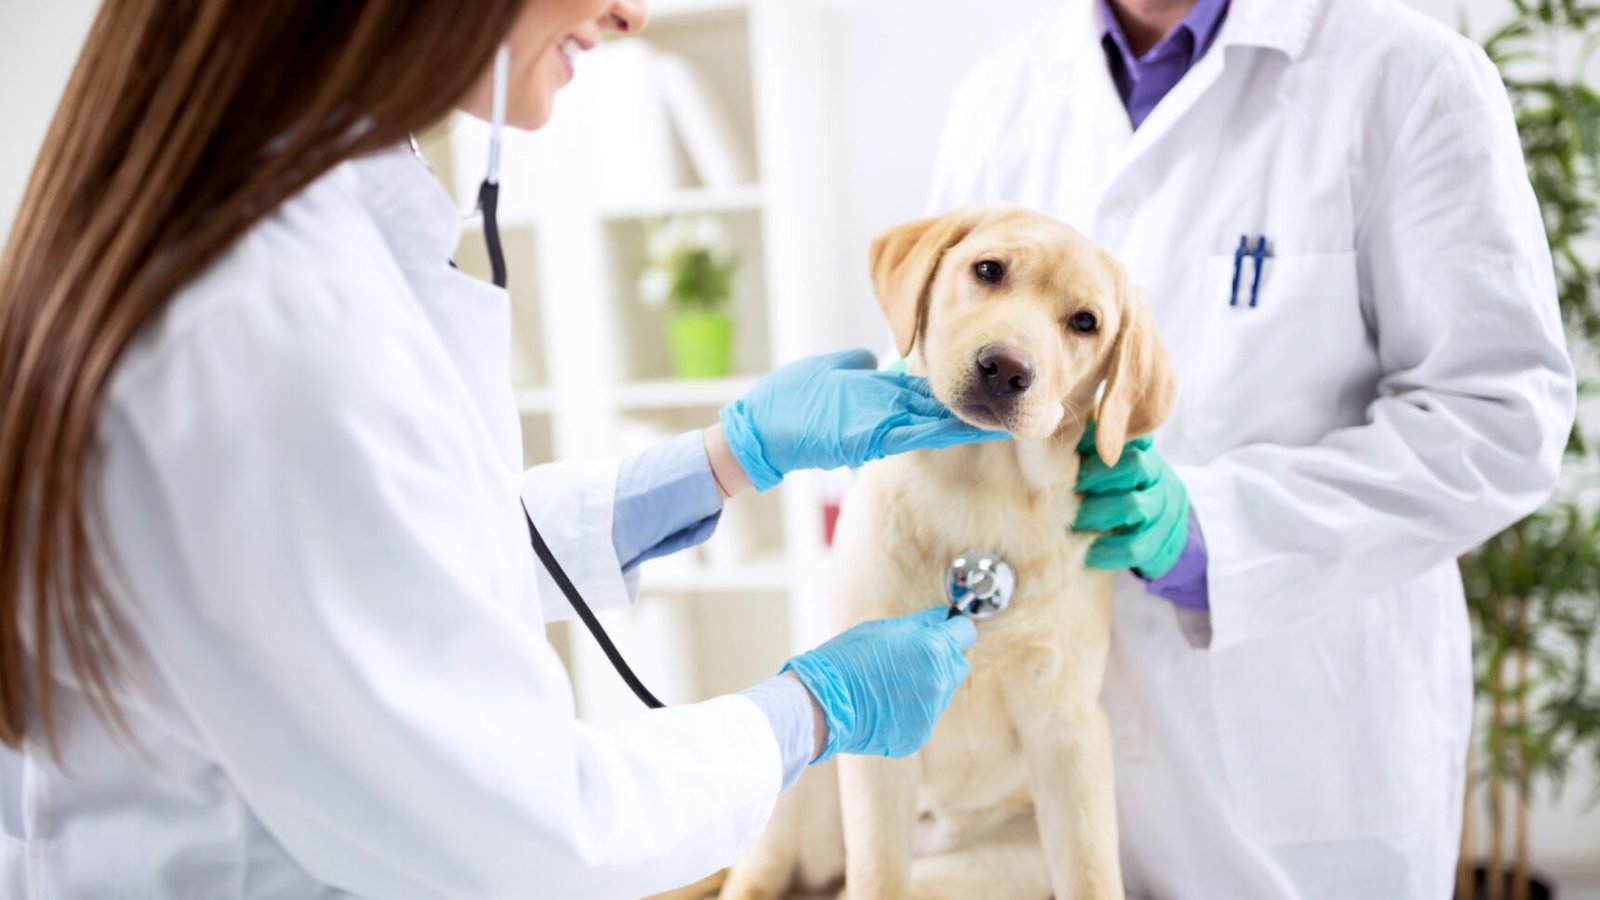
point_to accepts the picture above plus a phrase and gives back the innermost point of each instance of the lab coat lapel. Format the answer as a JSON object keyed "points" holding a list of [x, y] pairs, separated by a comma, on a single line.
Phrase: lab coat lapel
{"points": [[1281, 25], [1100, 96], [472, 319], [1077, 114], [1173, 107]]}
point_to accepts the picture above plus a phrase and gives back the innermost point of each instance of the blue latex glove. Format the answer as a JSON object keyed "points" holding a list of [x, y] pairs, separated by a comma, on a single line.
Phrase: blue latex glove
{"points": [[882, 685], [836, 410], [1139, 503]]}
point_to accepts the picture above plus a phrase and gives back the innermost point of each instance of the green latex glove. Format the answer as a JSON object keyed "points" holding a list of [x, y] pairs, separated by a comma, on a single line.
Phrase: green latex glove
{"points": [[1140, 504]]}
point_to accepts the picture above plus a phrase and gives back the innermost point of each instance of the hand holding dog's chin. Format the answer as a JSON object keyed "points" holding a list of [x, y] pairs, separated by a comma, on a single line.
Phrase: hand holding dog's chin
{"points": [[725, 469]]}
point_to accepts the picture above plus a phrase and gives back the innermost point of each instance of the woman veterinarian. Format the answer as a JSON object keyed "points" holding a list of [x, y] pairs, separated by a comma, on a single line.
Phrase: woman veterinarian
{"points": [[270, 625], [1327, 206]]}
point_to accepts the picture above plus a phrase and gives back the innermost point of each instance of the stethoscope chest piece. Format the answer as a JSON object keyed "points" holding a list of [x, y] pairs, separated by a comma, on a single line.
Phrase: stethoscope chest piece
{"points": [[979, 584]]}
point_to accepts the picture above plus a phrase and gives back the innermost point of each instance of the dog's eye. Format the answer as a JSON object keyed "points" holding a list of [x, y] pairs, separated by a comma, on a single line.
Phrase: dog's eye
{"points": [[1083, 323], [989, 271]]}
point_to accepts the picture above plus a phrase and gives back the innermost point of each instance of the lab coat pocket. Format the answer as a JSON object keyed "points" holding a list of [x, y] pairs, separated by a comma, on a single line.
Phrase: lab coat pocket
{"points": [[1277, 371], [1324, 729]]}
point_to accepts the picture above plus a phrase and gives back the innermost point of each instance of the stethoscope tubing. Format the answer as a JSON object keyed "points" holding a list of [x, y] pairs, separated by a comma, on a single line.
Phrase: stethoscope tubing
{"points": [[542, 550], [489, 209]]}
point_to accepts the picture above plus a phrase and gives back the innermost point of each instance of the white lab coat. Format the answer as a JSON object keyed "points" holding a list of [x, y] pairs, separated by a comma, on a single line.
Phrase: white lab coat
{"points": [[1400, 393], [312, 469]]}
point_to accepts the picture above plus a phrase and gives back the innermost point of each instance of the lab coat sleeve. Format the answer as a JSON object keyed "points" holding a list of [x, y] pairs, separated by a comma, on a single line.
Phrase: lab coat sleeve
{"points": [[1476, 398], [662, 500], [337, 613], [572, 503]]}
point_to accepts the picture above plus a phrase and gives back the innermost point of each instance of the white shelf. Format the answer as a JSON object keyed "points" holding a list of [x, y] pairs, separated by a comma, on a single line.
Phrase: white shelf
{"points": [[674, 13], [688, 201], [587, 249], [534, 401], [473, 225], [755, 577], [680, 393]]}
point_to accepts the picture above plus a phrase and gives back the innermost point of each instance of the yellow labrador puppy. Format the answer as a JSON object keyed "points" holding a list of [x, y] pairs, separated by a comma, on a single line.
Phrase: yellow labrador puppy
{"points": [[1019, 323]]}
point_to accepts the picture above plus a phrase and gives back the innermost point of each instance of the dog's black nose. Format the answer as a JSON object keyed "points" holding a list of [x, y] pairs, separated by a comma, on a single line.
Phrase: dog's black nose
{"points": [[1004, 372]]}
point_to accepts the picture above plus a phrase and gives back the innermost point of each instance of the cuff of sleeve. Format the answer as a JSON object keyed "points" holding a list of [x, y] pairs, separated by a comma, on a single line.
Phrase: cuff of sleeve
{"points": [[667, 500], [1185, 583], [788, 710], [572, 505], [816, 672]]}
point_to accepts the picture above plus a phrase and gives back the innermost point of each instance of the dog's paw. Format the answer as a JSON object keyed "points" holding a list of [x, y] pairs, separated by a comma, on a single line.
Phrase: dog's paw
{"points": [[748, 883], [700, 890], [932, 836]]}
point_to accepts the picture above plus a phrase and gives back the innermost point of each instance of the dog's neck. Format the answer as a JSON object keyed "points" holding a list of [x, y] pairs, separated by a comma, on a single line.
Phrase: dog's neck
{"points": [[1016, 467], [1047, 465]]}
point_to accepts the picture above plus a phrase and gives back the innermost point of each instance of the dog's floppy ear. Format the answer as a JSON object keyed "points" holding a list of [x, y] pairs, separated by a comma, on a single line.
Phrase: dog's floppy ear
{"points": [[1139, 386], [904, 260]]}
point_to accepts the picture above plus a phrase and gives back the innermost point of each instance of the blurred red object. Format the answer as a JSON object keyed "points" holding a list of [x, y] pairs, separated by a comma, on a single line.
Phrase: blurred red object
{"points": [[830, 520]]}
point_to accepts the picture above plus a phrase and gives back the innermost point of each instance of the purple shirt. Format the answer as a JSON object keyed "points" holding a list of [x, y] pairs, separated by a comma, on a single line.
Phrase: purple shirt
{"points": [[1143, 81]]}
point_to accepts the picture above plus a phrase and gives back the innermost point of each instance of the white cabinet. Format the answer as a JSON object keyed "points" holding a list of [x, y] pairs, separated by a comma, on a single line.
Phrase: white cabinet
{"points": [[591, 365]]}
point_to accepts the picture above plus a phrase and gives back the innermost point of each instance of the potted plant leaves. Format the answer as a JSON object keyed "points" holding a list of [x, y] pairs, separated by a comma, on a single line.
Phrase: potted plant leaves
{"points": [[1533, 591], [690, 267]]}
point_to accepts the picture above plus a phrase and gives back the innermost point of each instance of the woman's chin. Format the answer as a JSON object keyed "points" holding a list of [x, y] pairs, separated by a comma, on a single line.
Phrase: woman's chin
{"points": [[530, 118]]}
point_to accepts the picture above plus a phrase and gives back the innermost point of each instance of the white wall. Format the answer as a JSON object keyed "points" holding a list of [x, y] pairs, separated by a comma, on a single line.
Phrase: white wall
{"points": [[893, 64], [38, 44]]}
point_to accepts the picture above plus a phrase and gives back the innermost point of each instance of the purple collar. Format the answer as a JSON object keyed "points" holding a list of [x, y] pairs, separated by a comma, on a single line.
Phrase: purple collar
{"points": [[1143, 82], [1196, 31]]}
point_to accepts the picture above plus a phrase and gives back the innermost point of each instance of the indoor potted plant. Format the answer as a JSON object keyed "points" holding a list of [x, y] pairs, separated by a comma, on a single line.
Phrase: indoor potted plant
{"points": [[690, 267], [1533, 591]]}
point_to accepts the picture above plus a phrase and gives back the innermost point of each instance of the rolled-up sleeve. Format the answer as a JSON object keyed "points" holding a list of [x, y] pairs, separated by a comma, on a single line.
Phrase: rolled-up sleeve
{"points": [[666, 501]]}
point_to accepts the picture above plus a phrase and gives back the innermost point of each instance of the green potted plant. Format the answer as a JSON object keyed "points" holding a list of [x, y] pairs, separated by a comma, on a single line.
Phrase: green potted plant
{"points": [[1533, 591], [690, 267]]}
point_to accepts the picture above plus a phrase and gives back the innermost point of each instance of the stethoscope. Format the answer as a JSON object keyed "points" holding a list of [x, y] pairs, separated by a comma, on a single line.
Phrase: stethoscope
{"points": [[978, 584]]}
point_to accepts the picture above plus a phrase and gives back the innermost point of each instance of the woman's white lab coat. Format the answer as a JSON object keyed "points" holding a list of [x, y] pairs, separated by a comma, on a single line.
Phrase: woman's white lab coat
{"points": [[1399, 392], [312, 472]]}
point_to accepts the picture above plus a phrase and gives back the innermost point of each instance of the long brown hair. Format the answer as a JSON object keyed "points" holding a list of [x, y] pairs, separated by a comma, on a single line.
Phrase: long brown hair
{"points": [[184, 123]]}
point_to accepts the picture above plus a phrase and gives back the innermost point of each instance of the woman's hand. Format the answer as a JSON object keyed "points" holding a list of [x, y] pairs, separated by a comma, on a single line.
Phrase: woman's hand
{"points": [[882, 685], [836, 410], [725, 468]]}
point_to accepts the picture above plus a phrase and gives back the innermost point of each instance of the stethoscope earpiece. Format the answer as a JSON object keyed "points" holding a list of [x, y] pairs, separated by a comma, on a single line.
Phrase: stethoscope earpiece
{"points": [[489, 191]]}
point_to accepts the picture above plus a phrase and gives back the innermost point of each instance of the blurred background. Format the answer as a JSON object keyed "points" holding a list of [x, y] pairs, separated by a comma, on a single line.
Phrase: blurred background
{"points": [[699, 212]]}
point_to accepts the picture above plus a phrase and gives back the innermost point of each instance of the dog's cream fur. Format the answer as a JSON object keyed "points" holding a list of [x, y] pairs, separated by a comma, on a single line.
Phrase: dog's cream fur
{"points": [[1013, 796]]}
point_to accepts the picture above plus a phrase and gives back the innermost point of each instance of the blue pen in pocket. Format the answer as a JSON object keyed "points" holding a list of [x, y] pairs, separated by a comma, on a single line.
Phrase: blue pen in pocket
{"points": [[1238, 266], [1260, 256]]}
